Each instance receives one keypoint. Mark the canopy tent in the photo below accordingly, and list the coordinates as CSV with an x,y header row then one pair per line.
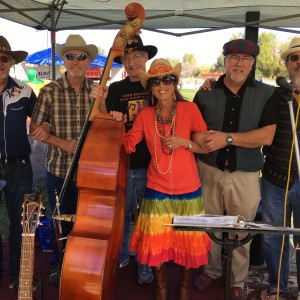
x,y
43,57
161,15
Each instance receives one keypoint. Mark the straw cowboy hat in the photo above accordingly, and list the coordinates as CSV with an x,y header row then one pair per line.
x,y
18,56
159,67
137,44
76,42
293,47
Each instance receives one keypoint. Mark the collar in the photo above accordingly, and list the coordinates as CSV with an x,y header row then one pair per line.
x,y
66,84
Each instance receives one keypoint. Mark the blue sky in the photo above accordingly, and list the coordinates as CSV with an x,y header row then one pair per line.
x,y
205,46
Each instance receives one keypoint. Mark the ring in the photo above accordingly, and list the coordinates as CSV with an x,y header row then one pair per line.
x,y
170,146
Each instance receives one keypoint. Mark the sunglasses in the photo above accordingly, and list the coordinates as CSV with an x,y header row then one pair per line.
x,y
79,57
294,57
4,59
166,80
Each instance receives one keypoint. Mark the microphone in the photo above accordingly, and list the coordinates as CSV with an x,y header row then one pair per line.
x,y
282,82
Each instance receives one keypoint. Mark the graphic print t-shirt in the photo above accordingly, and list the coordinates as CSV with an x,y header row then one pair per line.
x,y
129,98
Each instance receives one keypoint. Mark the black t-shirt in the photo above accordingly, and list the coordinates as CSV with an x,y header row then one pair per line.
x,y
129,98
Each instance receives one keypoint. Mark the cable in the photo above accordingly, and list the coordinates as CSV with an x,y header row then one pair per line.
x,y
285,199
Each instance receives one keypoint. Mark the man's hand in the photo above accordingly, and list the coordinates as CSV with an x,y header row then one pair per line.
x,y
100,94
206,86
41,132
69,145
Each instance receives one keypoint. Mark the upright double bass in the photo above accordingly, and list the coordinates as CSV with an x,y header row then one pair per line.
x,y
91,257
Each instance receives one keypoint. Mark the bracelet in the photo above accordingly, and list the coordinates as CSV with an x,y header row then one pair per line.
x,y
187,145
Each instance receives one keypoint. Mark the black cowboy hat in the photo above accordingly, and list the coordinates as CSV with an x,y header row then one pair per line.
x,y
137,44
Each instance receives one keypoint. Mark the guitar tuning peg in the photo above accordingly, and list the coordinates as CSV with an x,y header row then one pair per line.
x,y
40,223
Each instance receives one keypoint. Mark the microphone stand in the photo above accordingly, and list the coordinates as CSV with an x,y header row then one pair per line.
x,y
290,103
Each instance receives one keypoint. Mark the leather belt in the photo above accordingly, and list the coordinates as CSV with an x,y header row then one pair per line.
x,y
22,159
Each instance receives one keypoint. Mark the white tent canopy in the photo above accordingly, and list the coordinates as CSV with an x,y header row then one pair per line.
x,y
161,15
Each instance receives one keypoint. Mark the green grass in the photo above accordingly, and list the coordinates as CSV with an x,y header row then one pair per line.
x,y
188,93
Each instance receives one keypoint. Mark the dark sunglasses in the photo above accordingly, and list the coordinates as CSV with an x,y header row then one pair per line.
x,y
294,57
166,80
4,59
79,57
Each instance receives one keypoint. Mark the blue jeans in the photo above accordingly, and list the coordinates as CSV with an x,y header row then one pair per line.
x,y
68,205
273,212
136,184
18,177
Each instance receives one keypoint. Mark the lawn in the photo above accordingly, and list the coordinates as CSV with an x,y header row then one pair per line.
x,y
188,93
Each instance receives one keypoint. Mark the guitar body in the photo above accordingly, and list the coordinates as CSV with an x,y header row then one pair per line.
x,y
91,259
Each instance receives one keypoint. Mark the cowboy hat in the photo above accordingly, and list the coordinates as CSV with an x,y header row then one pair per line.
x,y
137,44
76,42
159,67
293,47
18,56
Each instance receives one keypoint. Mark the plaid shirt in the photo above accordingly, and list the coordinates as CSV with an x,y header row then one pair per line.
x,y
66,111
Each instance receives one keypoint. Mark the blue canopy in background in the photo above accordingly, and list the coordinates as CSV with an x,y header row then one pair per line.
x,y
43,57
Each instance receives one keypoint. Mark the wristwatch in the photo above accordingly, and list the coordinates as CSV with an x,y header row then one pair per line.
x,y
229,139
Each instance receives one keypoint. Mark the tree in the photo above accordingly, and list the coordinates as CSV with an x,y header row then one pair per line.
x,y
268,60
101,51
189,65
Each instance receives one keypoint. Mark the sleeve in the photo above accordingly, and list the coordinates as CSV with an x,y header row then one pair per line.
x,y
197,120
269,114
135,134
32,101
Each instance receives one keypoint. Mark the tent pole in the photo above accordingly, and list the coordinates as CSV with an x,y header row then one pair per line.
x,y
251,33
53,39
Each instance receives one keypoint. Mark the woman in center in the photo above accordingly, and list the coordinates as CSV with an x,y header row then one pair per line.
x,y
173,184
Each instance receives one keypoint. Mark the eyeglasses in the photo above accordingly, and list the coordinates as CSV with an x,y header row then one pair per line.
x,y
79,57
166,80
237,59
294,57
4,59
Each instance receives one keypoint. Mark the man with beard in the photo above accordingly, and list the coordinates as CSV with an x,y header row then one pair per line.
x,y
274,183
240,114
64,103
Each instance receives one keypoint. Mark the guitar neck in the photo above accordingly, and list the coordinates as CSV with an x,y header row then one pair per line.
x,y
26,268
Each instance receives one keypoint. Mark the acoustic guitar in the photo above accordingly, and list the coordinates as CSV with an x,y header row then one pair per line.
x,y
30,220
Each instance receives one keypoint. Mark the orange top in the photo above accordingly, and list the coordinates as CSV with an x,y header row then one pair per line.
x,y
182,176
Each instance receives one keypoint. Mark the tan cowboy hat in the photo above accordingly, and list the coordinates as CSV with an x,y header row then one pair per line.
x,y
18,56
293,47
159,67
76,42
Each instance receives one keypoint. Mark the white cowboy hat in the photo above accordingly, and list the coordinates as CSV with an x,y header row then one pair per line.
x,y
76,42
159,67
18,56
293,47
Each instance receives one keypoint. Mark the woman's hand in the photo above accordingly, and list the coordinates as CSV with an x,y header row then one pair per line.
x,y
118,116
174,141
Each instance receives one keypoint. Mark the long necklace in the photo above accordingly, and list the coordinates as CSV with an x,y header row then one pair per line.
x,y
160,132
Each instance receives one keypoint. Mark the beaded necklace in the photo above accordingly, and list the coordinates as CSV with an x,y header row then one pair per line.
x,y
159,130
